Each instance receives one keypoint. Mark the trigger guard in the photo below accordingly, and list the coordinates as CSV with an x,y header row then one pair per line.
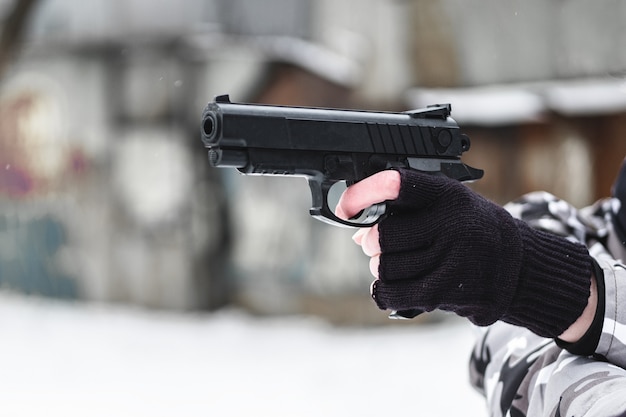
x,y
321,211
367,218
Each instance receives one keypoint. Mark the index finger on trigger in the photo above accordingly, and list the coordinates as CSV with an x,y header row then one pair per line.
x,y
382,186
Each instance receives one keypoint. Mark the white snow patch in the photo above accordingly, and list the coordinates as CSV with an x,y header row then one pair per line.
x,y
59,359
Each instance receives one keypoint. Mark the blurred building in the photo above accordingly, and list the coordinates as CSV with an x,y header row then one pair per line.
x,y
104,186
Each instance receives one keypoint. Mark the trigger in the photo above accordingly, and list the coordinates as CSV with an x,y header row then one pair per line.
x,y
372,214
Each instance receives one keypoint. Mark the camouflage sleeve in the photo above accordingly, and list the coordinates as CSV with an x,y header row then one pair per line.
x,y
522,374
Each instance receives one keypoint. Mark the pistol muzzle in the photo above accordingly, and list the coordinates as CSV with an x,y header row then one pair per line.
x,y
209,130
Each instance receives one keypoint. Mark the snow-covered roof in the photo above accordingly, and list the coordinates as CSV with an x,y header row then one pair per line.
x,y
520,103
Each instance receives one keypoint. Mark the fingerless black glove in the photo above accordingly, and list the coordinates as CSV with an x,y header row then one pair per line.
x,y
445,247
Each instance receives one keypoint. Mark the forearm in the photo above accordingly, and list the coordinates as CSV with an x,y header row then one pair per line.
x,y
578,329
612,327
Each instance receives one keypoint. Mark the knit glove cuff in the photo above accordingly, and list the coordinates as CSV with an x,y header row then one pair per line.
x,y
554,285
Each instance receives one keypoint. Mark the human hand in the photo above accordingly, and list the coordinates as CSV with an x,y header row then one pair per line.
x,y
442,246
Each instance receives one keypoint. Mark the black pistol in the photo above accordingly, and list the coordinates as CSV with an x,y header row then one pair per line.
x,y
328,146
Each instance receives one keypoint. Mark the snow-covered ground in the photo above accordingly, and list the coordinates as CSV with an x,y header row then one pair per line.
x,y
75,359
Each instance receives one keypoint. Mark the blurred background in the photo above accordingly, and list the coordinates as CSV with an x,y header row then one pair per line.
x,y
105,192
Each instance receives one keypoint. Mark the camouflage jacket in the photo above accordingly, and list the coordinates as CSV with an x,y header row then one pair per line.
x,y
522,374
